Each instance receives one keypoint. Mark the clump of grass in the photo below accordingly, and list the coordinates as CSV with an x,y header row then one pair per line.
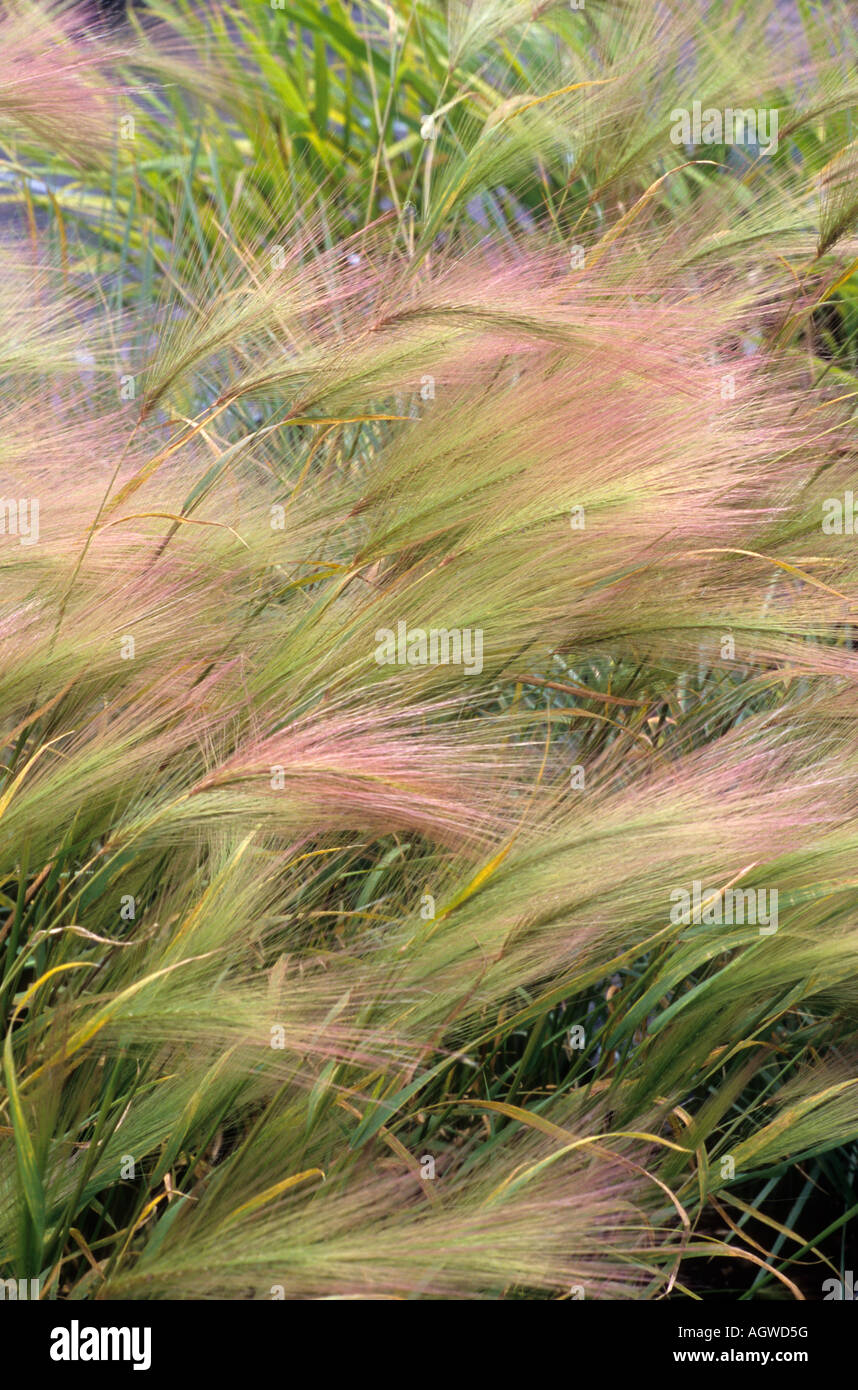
x,y
340,977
